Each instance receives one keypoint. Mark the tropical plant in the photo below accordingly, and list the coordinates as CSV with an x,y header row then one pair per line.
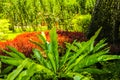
x,y
75,63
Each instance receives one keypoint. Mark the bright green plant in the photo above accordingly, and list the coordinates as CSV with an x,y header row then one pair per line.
x,y
4,25
4,28
75,63
80,22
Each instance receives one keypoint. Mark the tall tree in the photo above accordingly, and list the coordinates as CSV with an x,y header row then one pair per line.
x,y
107,15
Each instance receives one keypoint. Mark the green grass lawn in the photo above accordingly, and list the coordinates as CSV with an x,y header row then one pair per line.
x,y
9,36
12,35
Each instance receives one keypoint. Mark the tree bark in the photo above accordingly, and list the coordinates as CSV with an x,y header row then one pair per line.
x,y
107,15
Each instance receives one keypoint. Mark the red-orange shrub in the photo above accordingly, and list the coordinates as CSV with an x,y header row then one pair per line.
x,y
22,43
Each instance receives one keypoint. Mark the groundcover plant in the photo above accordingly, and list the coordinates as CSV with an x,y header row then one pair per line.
x,y
74,64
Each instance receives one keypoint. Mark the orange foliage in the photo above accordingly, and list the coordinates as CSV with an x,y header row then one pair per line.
x,y
22,43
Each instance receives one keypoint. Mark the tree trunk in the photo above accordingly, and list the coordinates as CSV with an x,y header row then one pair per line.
x,y
107,15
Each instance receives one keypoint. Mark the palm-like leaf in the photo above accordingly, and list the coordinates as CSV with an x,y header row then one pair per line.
x,y
77,59
17,52
15,73
54,47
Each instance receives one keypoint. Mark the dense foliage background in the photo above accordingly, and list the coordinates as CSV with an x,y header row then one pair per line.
x,y
75,21
63,14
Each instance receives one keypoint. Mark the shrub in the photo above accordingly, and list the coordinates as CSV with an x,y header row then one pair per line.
x,y
74,64
22,43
